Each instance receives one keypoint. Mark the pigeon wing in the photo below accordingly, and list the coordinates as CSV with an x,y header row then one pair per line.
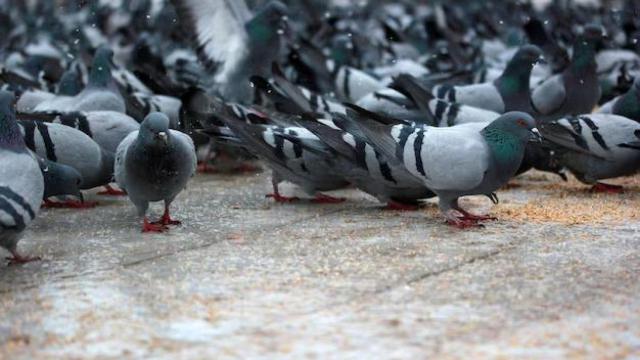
x,y
217,29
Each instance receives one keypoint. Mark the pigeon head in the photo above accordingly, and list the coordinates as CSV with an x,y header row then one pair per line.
x,y
100,75
515,78
60,179
268,21
528,54
584,48
516,125
10,135
593,33
154,130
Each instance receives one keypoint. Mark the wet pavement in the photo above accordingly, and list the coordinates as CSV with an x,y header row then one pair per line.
x,y
244,277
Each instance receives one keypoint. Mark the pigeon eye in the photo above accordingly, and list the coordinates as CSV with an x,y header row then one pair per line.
x,y
521,122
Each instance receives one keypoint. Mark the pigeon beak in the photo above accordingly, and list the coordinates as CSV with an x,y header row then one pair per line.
x,y
163,136
535,135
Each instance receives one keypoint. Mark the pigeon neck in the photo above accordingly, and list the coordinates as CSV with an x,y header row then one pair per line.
x,y
10,135
506,148
515,78
584,57
260,30
69,85
628,105
100,75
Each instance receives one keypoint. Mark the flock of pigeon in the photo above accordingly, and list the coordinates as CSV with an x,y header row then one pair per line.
x,y
403,100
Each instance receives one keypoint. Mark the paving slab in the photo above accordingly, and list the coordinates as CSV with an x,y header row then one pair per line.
x,y
244,277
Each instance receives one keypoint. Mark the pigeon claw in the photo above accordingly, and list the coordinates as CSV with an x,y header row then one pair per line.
x,y
205,168
462,223
398,206
148,227
110,191
166,220
281,199
69,204
607,189
17,259
326,199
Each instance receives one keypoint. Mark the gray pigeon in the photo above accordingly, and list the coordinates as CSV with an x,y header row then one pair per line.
x,y
360,164
71,147
232,41
576,90
469,159
627,105
280,145
59,180
21,182
509,92
596,147
101,92
155,164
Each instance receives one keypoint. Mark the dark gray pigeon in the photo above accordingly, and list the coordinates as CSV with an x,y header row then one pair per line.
x,y
576,90
596,147
59,180
21,182
469,159
509,92
232,41
155,164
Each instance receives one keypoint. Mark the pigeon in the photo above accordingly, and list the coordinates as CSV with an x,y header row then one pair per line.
x,y
468,159
107,128
59,180
280,147
100,93
233,41
627,105
509,92
71,147
360,164
596,147
154,164
576,90
21,182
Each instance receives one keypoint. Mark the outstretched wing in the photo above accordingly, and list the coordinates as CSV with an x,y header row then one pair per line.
x,y
217,29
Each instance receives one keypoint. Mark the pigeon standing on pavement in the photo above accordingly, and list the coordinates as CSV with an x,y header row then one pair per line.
x,y
155,164
21,182
469,159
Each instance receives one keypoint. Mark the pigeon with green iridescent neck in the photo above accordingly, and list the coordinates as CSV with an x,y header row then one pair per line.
x,y
509,92
576,90
469,159
21,182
